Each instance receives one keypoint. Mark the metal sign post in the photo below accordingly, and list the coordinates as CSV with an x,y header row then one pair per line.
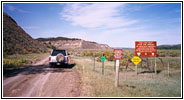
x,y
136,70
117,57
102,67
136,60
103,59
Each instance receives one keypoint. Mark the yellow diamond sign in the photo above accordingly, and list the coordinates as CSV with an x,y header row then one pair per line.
x,y
136,60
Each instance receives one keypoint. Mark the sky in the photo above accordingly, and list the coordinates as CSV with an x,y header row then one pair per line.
x,y
115,24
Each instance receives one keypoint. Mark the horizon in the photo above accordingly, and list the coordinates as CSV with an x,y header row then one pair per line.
x,y
114,24
110,46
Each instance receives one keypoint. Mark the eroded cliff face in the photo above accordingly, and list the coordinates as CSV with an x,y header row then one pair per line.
x,y
75,44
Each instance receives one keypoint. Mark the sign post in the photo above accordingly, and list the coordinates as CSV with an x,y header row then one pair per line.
x,y
103,59
117,57
146,49
117,74
136,60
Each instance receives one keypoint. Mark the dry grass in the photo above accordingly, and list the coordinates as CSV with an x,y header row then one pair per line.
x,y
130,84
14,61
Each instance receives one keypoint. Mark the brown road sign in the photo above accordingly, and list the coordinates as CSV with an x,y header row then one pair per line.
x,y
118,54
146,48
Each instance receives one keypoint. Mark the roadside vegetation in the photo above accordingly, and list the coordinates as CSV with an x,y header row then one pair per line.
x,y
145,84
130,85
163,57
16,60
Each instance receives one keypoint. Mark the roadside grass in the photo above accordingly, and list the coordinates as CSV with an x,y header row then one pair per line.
x,y
14,61
130,84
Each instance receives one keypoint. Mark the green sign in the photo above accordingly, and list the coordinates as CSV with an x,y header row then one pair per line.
x,y
102,58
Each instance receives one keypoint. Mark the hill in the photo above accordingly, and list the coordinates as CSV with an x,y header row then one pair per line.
x,y
56,39
170,47
71,43
16,40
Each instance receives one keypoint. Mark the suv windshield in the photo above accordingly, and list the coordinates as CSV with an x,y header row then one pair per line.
x,y
55,52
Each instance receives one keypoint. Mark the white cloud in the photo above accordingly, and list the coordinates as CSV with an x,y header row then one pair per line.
x,y
107,24
96,15
126,37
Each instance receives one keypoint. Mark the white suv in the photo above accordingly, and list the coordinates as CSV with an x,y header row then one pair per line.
x,y
58,57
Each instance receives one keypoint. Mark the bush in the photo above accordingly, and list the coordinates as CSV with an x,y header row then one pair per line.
x,y
25,52
109,55
88,53
13,63
126,58
53,47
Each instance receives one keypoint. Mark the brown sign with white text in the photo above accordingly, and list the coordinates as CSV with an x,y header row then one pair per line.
x,y
118,54
146,48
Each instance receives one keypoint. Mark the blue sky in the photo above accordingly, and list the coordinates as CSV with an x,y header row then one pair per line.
x,y
115,24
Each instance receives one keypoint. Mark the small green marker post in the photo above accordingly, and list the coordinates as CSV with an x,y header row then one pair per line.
x,y
103,68
103,59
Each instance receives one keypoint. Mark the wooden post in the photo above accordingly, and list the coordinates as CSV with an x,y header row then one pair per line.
x,y
114,65
147,63
151,62
168,69
141,62
136,69
117,74
102,67
94,64
155,66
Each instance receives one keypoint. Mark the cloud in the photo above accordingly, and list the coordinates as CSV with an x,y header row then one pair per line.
x,y
126,37
96,15
13,8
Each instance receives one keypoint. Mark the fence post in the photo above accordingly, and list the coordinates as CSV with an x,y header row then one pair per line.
x,y
155,66
102,67
94,64
114,65
168,69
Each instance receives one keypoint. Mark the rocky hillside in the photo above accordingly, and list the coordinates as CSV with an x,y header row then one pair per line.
x,y
16,40
71,43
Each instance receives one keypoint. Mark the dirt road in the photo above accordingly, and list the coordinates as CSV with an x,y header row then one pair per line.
x,y
39,80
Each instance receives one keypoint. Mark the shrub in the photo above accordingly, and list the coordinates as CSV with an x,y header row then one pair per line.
x,y
109,55
25,52
13,63
88,53
53,47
